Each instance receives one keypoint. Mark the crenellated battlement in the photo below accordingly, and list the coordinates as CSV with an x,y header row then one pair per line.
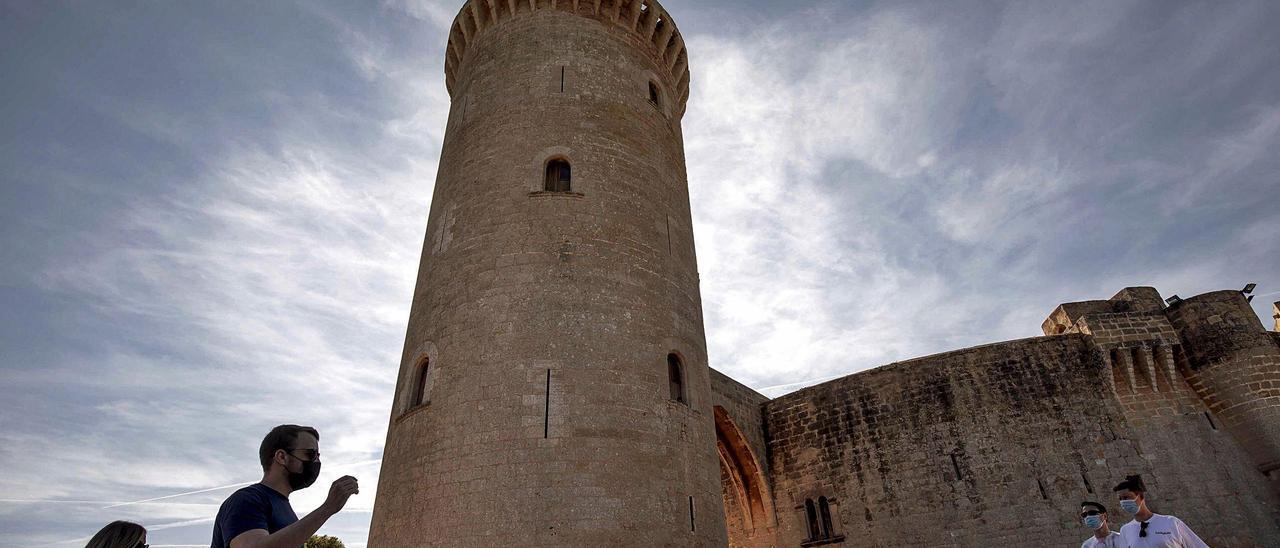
x,y
645,19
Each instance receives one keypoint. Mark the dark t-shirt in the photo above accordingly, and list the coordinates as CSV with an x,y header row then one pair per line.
x,y
254,507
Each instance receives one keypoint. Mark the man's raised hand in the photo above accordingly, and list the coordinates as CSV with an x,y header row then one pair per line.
x,y
339,492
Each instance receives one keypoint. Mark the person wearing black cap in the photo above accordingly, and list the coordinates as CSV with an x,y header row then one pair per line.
x,y
1149,529
1094,516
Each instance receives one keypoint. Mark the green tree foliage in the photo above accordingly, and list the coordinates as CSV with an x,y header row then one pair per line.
x,y
323,541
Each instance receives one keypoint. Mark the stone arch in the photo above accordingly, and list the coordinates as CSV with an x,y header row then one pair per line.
x,y
677,378
537,168
418,375
748,502
421,386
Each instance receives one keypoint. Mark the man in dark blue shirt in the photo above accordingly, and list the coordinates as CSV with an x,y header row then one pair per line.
x,y
259,516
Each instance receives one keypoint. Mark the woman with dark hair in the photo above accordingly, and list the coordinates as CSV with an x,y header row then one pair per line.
x,y
119,534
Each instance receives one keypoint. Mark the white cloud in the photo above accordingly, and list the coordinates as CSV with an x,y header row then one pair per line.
x,y
797,282
271,287
868,186
439,13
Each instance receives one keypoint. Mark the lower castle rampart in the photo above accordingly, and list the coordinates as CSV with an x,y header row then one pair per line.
x,y
997,445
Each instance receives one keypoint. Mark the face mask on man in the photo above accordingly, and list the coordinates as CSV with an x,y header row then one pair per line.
x,y
1130,506
1093,522
306,477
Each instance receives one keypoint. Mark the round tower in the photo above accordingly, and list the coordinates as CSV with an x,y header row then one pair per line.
x,y
1234,365
553,388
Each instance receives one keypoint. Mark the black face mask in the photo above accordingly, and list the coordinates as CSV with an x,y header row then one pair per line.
x,y
304,479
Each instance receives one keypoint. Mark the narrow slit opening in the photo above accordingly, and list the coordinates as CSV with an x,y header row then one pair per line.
x,y
668,235
546,409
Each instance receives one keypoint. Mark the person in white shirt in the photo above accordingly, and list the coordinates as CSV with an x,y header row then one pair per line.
x,y
1149,529
1094,516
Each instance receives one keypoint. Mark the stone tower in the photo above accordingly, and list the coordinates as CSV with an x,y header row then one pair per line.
x,y
553,388
1234,365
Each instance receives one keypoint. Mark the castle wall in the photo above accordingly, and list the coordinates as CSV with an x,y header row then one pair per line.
x,y
1140,345
1197,470
1135,302
997,445
750,517
1212,343
1063,318
1115,329
745,406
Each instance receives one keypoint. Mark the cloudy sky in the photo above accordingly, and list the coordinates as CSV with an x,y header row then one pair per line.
x,y
211,213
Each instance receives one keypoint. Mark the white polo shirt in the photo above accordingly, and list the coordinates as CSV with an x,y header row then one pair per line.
x,y
1113,540
1162,532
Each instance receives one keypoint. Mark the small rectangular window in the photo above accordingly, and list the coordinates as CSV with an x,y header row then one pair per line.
x,y
420,385
675,377
558,176
811,520
824,512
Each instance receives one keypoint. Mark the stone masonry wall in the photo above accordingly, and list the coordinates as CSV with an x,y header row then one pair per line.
x,y
748,501
1110,330
1198,471
745,406
1141,345
1233,364
1063,319
997,445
